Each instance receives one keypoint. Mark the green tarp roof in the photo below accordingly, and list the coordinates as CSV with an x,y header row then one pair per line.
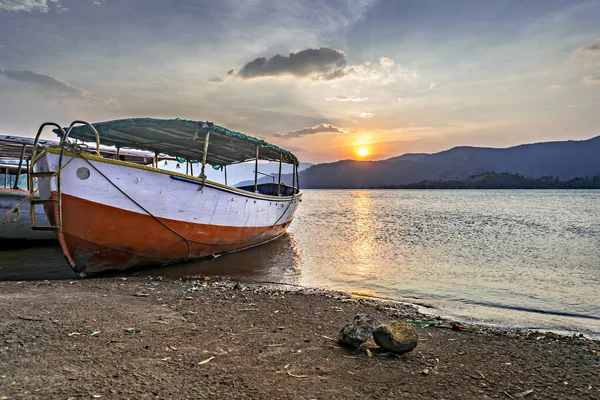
x,y
182,138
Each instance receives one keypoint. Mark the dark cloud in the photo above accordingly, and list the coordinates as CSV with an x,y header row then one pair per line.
x,y
323,63
338,73
231,71
45,82
593,49
592,80
216,79
321,128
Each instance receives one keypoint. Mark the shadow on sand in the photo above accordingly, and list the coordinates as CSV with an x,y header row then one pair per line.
x,y
275,261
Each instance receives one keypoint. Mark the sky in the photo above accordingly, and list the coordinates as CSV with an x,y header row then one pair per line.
x,y
326,79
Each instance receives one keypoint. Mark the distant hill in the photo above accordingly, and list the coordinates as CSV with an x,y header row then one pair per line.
x,y
563,160
504,180
410,157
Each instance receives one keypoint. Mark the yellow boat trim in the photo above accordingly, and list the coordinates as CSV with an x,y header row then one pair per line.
x,y
93,157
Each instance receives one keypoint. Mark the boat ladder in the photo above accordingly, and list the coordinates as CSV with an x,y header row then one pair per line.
x,y
33,175
35,157
33,201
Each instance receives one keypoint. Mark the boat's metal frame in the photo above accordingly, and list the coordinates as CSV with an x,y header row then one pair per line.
x,y
17,202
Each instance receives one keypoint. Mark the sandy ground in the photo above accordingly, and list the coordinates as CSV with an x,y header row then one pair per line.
x,y
218,340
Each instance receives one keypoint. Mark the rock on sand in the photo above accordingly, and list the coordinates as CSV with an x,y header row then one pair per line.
x,y
358,331
397,337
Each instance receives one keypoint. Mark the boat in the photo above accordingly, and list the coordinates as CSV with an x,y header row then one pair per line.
x,y
15,215
15,207
111,214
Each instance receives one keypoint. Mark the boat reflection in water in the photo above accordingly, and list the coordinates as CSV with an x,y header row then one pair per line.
x,y
276,261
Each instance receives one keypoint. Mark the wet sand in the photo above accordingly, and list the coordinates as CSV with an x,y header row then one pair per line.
x,y
215,339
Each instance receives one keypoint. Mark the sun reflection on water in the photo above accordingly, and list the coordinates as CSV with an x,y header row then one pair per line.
x,y
363,226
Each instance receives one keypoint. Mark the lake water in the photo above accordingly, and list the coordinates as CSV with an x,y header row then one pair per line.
x,y
518,258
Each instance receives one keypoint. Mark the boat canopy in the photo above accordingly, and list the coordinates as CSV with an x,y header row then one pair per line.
x,y
12,146
184,139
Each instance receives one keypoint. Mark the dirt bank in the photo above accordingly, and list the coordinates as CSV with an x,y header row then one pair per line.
x,y
218,340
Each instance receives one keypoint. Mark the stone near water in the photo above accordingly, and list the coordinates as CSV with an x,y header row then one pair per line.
x,y
358,331
397,337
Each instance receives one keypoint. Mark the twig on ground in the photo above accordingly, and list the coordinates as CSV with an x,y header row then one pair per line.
x,y
297,376
326,337
29,318
209,359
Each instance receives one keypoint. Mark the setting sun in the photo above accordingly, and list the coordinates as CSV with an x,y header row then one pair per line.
x,y
362,152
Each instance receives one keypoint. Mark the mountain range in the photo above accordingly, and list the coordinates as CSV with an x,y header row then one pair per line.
x,y
564,160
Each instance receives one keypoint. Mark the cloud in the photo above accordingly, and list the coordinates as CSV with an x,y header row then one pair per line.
x,y
593,49
321,128
592,80
383,72
24,5
44,82
323,62
432,85
366,115
216,79
29,5
338,97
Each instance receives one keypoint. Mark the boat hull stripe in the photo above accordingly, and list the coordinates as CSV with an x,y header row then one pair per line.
x,y
117,239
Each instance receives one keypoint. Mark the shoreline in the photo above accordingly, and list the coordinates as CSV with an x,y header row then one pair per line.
x,y
63,339
429,307
425,308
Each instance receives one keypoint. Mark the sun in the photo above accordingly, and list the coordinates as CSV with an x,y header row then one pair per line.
x,y
362,152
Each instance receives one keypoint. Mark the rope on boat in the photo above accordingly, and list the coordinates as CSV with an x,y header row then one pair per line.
x,y
284,211
16,210
186,240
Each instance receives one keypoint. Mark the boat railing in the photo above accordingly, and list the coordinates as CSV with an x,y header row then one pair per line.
x,y
65,136
32,175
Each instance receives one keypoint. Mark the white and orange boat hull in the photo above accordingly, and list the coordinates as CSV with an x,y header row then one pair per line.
x,y
114,215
